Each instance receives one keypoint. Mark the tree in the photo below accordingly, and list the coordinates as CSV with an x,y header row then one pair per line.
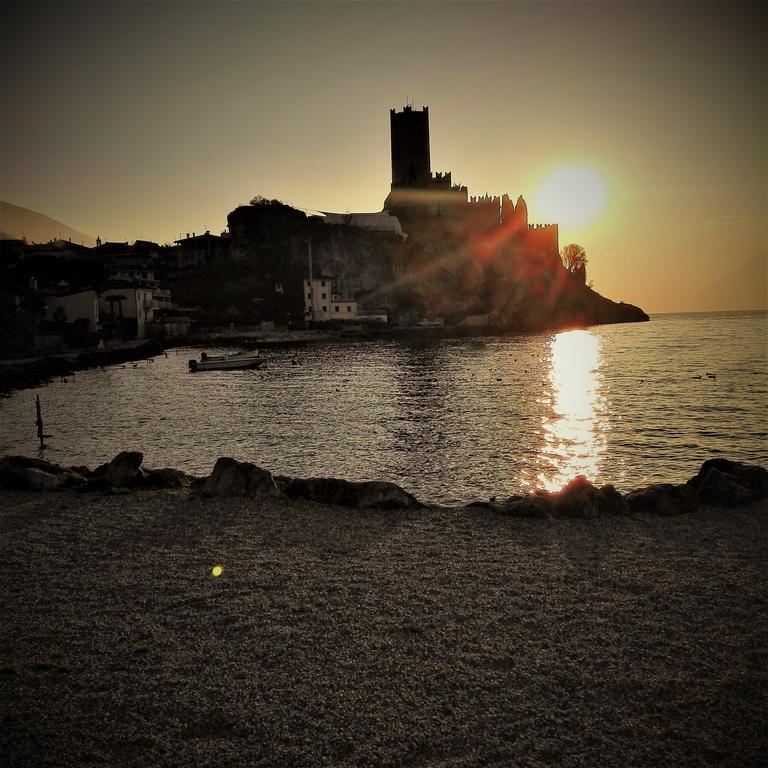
x,y
261,200
575,260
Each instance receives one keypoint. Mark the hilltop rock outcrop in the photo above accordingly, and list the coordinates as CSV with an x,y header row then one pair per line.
x,y
450,265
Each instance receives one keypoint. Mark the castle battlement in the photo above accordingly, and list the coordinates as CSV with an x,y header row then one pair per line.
x,y
413,183
409,108
485,199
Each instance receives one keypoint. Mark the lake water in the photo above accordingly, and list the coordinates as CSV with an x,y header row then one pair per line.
x,y
451,421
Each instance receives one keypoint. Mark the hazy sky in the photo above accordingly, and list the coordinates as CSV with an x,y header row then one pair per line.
x,y
146,120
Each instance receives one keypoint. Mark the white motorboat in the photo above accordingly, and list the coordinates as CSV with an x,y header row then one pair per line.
x,y
234,361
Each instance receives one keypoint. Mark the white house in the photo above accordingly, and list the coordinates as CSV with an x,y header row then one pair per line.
x,y
128,301
80,305
322,305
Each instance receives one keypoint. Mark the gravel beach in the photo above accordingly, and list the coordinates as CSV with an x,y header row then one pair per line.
x,y
340,637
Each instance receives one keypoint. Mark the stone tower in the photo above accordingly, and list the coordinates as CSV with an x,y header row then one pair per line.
x,y
409,131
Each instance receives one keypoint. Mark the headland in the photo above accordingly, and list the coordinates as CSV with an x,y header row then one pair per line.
x,y
435,257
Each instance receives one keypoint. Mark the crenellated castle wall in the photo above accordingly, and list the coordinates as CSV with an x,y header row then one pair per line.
x,y
544,237
483,211
440,179
495,221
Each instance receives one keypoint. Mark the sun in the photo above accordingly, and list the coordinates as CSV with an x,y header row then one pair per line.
x,y
571,195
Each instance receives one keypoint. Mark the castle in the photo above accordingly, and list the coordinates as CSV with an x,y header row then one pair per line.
x,y
416,189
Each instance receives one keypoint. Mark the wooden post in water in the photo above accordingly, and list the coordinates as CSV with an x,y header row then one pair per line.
x,y
40,434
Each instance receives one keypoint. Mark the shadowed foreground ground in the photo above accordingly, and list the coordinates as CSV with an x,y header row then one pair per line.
x,y
339,637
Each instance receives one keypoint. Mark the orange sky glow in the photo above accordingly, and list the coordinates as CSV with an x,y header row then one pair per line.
x,y
135,120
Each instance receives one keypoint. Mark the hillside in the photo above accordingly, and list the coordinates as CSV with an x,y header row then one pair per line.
x,y
17,223
449,267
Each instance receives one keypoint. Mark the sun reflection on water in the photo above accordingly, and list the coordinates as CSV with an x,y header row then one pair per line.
x,y
573,427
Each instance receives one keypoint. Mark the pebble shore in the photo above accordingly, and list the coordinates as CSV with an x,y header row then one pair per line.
x,y
348,637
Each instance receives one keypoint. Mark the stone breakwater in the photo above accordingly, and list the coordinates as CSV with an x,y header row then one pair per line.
x,y
719,483
22,374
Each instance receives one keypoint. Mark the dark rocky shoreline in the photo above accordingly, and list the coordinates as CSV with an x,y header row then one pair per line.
x,y
719,483
23,374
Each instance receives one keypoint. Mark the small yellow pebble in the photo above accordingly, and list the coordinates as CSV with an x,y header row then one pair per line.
x,y
217,570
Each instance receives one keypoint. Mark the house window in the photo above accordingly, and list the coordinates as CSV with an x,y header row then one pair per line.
x,y
322,285
323,296
309,295
349,309
336,309
325,309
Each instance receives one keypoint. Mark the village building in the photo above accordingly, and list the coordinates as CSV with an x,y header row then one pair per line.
x,y
169,324
60,249
75,307
373,316
381,221
135,271
125,310
323,304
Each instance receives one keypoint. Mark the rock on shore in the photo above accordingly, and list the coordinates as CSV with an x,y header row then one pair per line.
x,y
239,478
719,483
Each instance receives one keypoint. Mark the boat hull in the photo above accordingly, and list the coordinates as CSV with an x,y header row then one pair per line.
x,y
231,364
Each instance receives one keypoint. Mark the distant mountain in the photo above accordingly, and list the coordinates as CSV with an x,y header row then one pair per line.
x,y
17,222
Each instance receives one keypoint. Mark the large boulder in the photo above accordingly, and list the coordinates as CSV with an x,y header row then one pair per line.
x,y
724,483
239,478
28,474
28,462
366,495
167,477
122,471
663,499
579,498
517,506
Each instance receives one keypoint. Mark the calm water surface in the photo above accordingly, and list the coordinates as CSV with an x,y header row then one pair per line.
x,y
450,421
